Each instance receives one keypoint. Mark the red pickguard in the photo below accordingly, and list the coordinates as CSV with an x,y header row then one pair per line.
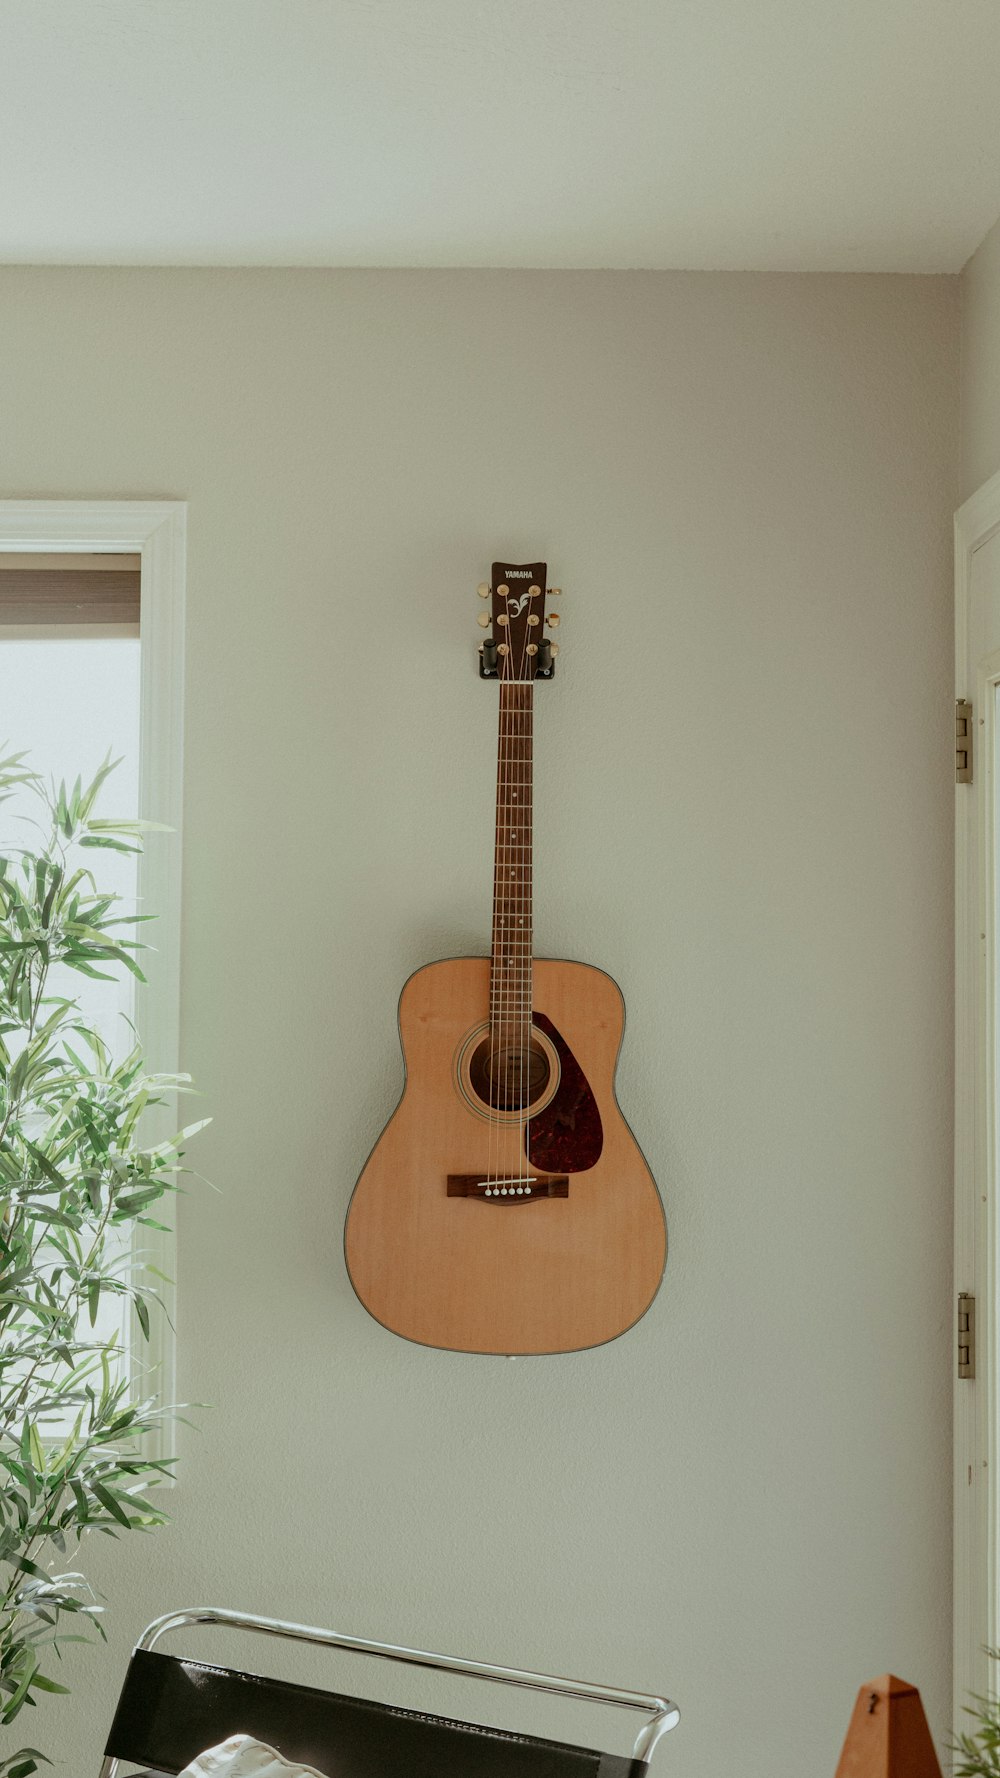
x,y
567,1137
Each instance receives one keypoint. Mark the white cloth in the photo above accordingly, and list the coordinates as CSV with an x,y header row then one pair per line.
x,y
240,1757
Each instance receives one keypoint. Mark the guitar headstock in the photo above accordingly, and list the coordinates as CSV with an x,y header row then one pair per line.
x,y
518,650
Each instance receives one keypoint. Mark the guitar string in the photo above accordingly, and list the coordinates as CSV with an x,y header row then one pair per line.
x,y
524,866
508,907
503,856
509,1030
521,1013
492,1053
504,910
527,965
511,997
508,985
500,904
514,902
513,899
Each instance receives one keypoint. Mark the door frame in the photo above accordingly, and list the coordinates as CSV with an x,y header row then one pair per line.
x,y
976,1057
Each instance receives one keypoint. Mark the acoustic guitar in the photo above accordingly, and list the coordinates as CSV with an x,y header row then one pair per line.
x,y
506,1207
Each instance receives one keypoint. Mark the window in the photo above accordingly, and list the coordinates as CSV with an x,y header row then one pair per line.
x,y
69,697
91,630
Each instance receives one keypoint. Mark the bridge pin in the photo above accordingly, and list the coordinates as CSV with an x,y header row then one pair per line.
x,y
527,1190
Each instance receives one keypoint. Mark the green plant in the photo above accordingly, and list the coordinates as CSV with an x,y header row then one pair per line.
x,y
979,1753
75,1175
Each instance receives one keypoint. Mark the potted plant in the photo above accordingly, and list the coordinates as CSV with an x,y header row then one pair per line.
x,y
977,1755
78,1175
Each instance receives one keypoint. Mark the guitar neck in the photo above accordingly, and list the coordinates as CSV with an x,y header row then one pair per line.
x,y
510,962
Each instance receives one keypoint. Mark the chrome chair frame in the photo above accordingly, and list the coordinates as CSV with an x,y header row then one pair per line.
x,y
662,1714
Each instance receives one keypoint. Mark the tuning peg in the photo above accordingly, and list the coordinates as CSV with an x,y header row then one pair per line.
x,y
555,592
553,620
484,620
483,590
553,649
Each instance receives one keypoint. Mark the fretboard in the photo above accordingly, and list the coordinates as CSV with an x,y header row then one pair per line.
x,y
510,972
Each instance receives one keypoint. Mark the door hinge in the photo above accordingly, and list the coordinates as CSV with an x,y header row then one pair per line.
x,y
966,1334
963,741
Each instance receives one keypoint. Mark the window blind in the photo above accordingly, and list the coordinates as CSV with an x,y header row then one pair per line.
x,y
77,590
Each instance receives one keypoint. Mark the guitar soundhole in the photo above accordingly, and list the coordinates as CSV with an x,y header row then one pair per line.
x,y
507,1076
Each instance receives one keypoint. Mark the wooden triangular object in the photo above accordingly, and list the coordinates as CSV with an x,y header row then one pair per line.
x,y
888,1736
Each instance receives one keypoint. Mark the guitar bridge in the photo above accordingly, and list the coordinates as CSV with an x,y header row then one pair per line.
x,y
516,1189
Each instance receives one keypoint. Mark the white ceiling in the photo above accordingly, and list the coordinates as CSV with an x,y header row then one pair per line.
x,y
851,135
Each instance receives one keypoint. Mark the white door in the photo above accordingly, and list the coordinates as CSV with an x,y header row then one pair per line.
x,y
977,826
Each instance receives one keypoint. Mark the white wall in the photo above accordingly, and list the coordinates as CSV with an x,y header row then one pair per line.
x,y
981,364
745,485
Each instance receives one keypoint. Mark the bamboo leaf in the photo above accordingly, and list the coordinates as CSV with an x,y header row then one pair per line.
x,y
43,1161
72,1177
37,1453
14,1703
110,1504
41,1683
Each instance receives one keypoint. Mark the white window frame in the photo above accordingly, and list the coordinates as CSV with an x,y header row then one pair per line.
x,y
977,1056
156,531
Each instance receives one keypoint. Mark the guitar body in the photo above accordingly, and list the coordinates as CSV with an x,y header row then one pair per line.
x,y
569,1253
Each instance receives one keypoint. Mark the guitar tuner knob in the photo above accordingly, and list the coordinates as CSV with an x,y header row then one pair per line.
x,y
555,592
483,590
553,620
553,649
483,620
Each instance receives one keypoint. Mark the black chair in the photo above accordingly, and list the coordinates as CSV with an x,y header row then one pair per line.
x,y
172,1709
